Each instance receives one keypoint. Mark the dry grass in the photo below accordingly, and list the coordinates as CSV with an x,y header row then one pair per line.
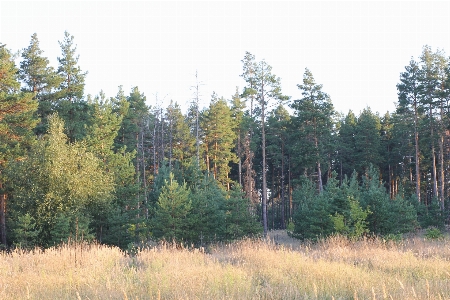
x,y
280,269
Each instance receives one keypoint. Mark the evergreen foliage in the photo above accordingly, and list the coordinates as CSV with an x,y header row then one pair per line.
x,y
114,169
58,179
70,92
171,221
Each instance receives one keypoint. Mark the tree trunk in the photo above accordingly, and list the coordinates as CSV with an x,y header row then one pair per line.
x,y
283,200
290,188
319,171
138,180
273,198
416,142
144,179
441,160
3,217
433,159
264,179
441,173
239,157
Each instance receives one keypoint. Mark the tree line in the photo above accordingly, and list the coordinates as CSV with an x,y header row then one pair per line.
x,y
114,169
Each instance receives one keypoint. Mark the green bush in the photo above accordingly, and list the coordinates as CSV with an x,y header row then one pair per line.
x,y
433,233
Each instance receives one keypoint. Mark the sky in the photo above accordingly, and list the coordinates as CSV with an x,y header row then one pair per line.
x,y
355,49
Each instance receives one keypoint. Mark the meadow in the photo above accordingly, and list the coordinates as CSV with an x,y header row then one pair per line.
x,y
280,268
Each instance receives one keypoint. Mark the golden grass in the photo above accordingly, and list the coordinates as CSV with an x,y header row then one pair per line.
x,y
282,268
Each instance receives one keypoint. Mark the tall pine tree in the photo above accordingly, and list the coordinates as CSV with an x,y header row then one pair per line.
x,y
17,110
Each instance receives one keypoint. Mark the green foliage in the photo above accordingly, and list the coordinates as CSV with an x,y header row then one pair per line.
x,y
402,216
181,141
366,209
218,140
433,233
58,178
133,119
207,216
25,232
347,144
171,221
239,222
72,78
40,79
312,125
358,219
339,224
355,226
69,95
312,218
367,141
114,170
17,110
430,215
70,227
388,216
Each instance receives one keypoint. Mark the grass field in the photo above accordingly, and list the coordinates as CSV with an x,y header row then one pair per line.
x,y
283,268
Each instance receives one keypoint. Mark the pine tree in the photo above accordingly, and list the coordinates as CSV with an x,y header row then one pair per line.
x,y
312,218
313,117
171,221
237,109
207,215
17,110
408,95
265,86
40,79
112,222
428,81
249,123
70,105
182,144
347,145
277,153
387,165
218,127
367,141
239,222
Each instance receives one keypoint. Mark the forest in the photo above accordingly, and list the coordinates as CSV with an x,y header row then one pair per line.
x,y
121,172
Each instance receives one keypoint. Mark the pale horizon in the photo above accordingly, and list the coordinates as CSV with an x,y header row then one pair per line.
x,y
355,49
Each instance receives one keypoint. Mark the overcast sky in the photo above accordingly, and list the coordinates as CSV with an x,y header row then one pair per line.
x,y
355,49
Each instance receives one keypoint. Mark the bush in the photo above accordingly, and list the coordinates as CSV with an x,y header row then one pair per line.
x,y
433,233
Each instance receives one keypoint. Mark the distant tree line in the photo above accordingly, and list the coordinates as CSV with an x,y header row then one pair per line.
x,y
120,171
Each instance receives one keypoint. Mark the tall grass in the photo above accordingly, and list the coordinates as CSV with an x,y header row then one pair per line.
x,y
282,268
